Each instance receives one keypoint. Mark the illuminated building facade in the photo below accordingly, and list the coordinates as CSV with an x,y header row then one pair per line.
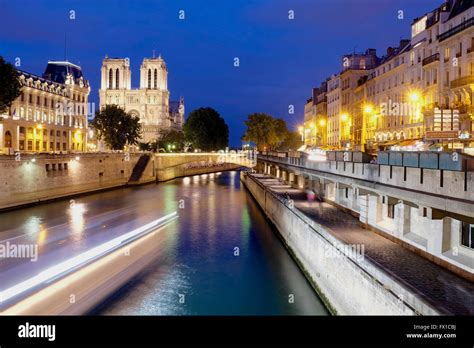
x,y
419,91
150,102
50,115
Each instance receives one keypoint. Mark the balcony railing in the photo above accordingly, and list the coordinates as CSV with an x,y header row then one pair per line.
x,y
431,59
462,81
457,29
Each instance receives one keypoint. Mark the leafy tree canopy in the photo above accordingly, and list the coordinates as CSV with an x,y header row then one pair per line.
x,y
10,87
116,127
205,129
292,142
265,131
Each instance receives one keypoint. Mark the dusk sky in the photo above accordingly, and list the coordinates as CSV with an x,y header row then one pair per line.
x,y
280,59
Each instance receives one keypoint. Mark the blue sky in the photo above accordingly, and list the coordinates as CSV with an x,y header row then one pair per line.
x,y
280,59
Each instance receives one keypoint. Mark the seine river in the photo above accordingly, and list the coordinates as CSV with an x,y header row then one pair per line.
x,y
220,257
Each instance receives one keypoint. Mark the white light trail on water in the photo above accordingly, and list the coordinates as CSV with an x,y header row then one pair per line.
x,y
69,265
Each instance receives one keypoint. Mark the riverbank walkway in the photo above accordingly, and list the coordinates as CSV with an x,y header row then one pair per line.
x,y
444,290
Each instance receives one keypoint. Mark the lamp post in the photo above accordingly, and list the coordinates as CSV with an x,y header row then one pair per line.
x,y
345,121
301,130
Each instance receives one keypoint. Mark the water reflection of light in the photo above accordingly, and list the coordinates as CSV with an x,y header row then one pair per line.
x,y
195,179
76,215
33,225
211,176
187,180
42,236
218,173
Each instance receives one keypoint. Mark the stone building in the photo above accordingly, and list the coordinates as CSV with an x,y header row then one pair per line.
x,y
50,115
315,117
355,67
334,110
419,92
151,102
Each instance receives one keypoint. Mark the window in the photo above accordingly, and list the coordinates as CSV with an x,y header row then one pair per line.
x,y
117,78
38,101
447,53
156,79
149,78
467,235
111,77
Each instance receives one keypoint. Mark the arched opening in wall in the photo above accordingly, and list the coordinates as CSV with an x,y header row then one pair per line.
x,y
149,78
8,139
111,77
155,77
117,79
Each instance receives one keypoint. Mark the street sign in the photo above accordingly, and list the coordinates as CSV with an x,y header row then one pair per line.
x,y
432,135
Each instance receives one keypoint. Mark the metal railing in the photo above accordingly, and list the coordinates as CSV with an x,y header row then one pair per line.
x,y
431,59
462,81
457,29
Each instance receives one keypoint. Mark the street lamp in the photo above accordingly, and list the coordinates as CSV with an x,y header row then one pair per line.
x,y
301,130
368,109
415,96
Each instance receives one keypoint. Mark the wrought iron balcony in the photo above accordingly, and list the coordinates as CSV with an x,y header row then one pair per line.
x,y
455,30
431,59
462,81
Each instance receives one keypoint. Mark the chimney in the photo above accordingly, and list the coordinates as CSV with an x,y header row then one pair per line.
x,y
389,51
371,52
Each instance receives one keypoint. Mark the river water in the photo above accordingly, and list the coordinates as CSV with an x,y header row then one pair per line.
x,y
220,257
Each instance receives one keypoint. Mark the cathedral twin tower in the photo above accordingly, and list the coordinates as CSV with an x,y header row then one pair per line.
x,y
150,102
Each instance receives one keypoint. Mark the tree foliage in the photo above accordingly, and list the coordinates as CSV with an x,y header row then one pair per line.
x,y
116,127
292,142
205,129
10,87
171,139
265,131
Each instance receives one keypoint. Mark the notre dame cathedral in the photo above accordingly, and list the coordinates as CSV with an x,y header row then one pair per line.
x,y
151,102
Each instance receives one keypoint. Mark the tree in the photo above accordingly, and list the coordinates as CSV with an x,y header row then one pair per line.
x,y
10,87
116,127
265,131
292,142
171,140
206,130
